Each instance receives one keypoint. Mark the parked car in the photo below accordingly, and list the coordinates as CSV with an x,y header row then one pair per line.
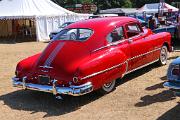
x,y
173,76
90,55
53,33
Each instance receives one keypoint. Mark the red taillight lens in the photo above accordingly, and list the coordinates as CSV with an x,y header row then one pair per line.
x,y
176,71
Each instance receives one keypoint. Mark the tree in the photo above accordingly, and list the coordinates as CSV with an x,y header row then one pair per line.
x,y
106,4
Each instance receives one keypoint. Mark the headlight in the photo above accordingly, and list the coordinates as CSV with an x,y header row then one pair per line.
x,y
173,72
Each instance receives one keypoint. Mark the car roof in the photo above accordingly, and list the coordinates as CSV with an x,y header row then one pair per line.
x,y
101,23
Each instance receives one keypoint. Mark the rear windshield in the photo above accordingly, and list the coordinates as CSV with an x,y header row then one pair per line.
x,y
76,34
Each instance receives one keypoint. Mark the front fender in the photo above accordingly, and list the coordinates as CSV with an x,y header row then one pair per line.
x,y
103,66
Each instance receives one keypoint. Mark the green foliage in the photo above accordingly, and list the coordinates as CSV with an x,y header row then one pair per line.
x,y
106,4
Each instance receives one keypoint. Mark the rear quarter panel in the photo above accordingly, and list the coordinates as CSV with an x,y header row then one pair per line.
x,y
104,66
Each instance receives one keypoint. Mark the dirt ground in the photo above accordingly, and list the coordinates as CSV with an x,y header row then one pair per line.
x,y
138,96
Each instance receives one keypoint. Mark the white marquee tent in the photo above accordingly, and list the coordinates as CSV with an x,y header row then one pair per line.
x,y
154,7
46,14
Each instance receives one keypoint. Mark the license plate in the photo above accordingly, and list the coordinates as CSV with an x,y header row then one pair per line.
x,y
44,79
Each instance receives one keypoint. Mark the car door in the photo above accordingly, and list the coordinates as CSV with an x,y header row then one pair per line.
x,y
140,47
117,40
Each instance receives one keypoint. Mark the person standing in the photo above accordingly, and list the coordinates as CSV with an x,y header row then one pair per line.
x,y
151,23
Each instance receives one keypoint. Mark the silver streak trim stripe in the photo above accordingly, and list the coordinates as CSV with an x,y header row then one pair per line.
x,y
126,62
53,54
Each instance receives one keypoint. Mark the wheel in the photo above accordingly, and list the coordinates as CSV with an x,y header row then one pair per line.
x,y
108,87
163,56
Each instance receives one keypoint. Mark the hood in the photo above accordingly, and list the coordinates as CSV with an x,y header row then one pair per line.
x,y
61,59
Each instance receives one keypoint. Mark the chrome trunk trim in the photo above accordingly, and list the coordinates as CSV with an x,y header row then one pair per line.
x,y
45,66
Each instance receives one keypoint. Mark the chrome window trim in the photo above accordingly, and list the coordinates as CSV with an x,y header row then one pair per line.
x,y
92,31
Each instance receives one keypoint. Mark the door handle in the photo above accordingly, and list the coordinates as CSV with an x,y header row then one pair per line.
x,y
130,40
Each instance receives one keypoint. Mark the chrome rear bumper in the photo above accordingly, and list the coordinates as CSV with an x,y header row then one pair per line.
x,y
71,90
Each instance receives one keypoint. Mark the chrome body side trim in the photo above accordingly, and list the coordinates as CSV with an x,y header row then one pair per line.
x,y
144,54
45,66
71,90
141,66
100,72
126,62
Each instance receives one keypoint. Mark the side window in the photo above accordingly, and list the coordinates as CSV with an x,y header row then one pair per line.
x,y
132,30
116,35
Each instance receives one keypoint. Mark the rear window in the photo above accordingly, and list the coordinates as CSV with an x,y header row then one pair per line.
x,y
76,34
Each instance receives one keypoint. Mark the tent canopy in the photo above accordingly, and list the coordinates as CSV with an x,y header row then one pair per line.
x,y
154,7
30,8
47,15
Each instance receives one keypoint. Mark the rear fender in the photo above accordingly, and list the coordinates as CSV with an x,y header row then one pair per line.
x,y
103,66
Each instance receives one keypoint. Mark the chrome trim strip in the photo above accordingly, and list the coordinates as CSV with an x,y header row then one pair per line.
x,y
45,66
71,90
141,66
45,71
54,90
24,82
108,69
144,54
100,72
53,54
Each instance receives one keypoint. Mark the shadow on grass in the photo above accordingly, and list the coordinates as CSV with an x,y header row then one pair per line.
x,y
44,102
155,87
164,96
172,114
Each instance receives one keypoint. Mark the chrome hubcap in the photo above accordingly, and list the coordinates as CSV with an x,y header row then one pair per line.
x,y
163,55
108,85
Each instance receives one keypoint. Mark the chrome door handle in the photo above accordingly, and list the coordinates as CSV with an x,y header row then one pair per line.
x,y
130,40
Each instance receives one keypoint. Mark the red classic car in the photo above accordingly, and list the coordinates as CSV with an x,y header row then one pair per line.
x,y
90,55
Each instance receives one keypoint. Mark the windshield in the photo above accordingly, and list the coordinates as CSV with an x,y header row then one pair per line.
x,y
77,34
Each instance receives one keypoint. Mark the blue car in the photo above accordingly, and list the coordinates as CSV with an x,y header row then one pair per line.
x,y
173,76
